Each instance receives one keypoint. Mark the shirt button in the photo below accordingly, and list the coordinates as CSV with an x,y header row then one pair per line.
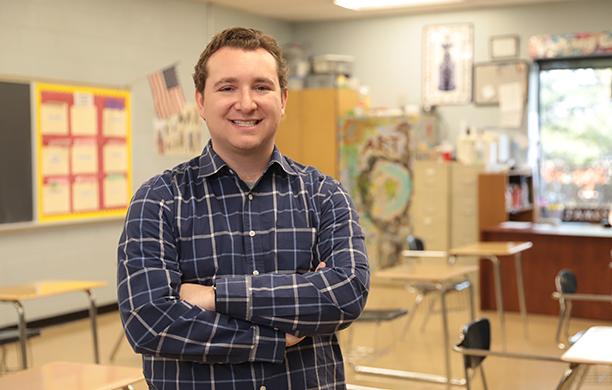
x,y
250,196
231,171
262,388
255,273
252,233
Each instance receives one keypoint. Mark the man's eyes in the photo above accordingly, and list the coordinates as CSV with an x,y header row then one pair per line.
x,y
263,87
258,88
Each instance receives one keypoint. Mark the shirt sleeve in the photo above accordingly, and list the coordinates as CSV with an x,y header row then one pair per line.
x,y
157,322
311,303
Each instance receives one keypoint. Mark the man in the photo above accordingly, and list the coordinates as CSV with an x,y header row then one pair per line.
x,y
237,268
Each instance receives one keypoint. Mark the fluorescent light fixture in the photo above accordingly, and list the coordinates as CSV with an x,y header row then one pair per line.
x,y
359,5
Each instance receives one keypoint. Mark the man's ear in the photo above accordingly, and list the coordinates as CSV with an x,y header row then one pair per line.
x,y
199,98
284,98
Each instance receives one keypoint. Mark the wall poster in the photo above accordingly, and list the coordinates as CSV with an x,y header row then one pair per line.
x,y
83,152
375,169
447,64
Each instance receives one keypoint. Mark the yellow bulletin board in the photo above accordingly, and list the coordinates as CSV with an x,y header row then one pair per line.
x,y
83,152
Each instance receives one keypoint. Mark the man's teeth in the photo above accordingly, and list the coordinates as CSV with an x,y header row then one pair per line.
x,y
245,123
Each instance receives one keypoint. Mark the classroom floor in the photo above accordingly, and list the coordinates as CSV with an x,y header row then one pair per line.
x,y
418,349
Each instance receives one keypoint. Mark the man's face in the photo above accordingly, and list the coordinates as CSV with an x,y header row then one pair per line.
x,y
242,102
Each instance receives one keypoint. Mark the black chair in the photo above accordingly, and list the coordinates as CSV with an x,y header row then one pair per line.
x,y
476,335
475,346
566,285
376,316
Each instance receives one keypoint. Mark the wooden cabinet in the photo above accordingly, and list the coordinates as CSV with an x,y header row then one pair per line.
x,y
444,209
309,131
583,249
503,197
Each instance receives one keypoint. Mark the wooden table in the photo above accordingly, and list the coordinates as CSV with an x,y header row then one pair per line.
x,y
73,376
593,347
444,278
16,294
491,251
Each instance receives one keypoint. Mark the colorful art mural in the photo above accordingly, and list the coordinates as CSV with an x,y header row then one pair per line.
x,y
375,167
570,45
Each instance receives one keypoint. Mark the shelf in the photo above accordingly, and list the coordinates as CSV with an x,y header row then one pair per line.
x,y
520,210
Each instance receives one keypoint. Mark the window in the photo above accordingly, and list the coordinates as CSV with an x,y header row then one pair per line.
x,y
575,114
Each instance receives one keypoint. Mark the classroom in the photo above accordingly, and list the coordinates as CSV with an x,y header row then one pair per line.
x,y
473,136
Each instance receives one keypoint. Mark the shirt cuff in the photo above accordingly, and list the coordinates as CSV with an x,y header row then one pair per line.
x,y
233,297
268,345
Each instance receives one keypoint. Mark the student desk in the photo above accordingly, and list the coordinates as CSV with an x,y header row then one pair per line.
x,y
17,293
594,347
444,278
74,376
491,251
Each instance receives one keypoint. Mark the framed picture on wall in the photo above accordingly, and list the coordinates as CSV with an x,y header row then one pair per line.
x,y
448,52
504,46
489,76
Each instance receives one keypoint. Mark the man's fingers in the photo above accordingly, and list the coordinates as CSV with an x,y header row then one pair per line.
x,y
292,340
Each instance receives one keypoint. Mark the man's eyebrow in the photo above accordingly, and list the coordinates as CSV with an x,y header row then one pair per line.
x,y
226,80
264,80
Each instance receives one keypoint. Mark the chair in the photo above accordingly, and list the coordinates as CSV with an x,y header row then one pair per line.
x,y
416,249
475,346
476,335
377,316
566,285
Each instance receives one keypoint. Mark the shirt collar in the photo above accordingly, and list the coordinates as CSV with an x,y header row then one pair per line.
x,y
211,162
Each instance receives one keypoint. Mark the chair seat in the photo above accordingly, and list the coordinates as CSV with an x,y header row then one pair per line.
x,y
12,335
375,315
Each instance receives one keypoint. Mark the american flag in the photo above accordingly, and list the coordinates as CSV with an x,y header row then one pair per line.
x,y
167,92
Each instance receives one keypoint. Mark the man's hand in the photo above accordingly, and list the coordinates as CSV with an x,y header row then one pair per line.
x,y
291,340
199,295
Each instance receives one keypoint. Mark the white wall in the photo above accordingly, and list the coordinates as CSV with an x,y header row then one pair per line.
x,y
387,50
114,43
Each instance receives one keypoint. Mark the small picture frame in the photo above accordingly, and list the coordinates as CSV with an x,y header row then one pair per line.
x,y
504,46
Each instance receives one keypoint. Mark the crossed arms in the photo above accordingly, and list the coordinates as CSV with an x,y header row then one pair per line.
x,y
255,317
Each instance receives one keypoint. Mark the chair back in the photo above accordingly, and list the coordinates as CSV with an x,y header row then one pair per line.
x,y
476,335
566,282
415,243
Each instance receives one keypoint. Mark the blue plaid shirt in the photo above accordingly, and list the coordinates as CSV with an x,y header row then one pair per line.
x,y
199,223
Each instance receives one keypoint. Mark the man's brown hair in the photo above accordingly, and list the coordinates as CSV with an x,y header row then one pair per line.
x,y
240,38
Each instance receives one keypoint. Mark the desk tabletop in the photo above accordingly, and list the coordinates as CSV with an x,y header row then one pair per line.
x,y
45,288
491,248
74,376
594,347
423,272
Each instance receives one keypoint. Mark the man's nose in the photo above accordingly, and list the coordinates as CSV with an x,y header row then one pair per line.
x,y
246,101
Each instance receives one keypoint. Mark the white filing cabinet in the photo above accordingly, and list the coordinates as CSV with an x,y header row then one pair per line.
x,y
444,210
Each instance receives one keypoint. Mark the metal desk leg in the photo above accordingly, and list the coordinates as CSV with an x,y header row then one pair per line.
x,y
446,338
122,335
471,301
518,268
572,377
421,376
93,311
499,298
22,334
